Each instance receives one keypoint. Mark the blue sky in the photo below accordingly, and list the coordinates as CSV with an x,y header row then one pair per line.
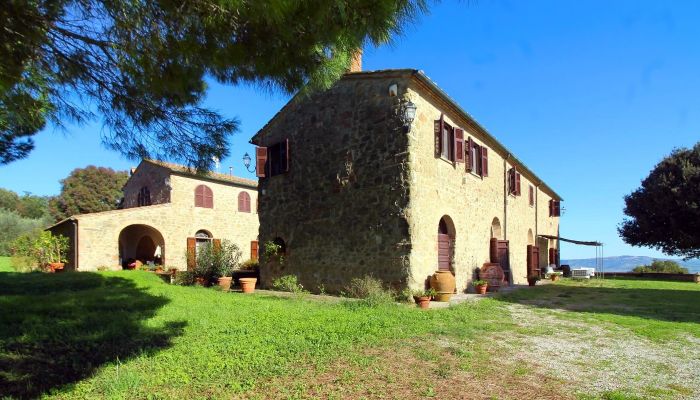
x,y
590,95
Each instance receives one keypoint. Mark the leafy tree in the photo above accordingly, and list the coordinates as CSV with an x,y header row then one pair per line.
x,y
13,225
665,212
27,205
86,190
666,266
8,200
142,64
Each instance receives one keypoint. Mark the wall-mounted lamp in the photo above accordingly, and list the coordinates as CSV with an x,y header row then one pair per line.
x,y
409,114
246,162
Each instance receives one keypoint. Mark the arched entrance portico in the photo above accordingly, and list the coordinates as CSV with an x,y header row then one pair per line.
x,y
143,243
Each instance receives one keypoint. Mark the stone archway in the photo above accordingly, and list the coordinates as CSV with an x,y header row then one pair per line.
x,y
496,231
143,243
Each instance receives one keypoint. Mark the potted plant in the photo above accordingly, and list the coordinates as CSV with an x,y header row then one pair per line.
x,y
532,280
480,286
51,250
554,276
422,297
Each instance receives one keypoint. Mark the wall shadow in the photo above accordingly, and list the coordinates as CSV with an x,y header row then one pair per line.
x,y
659,304
56,329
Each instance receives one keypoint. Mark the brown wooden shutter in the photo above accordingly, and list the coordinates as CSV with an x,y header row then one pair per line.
x,y
493,250
260,161
557,208
459,145
191,253
199,196
254,250
484,161
531,195
533,260
469,150
517,184
551,208
552,256
217,244
208,197
286,152
439,124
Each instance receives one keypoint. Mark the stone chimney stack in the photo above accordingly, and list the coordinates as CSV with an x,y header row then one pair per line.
x,y
356,63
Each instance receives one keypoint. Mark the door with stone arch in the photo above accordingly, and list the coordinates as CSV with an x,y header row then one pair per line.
x,y
445,243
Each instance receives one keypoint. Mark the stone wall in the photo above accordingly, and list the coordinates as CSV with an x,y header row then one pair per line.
x,y
98,233
154,177
339,209
441,188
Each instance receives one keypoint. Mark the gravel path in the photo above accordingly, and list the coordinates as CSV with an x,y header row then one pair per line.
x,y
595,358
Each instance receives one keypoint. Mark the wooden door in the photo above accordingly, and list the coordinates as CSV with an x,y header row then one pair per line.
x,y
444,252
503,257
533,261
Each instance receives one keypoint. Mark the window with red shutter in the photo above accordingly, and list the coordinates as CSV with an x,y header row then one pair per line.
x,y
517,183
437,127
531,195
484,161
448,143
554,208
243,202
203,197
459,145
260,161
278,158
470,156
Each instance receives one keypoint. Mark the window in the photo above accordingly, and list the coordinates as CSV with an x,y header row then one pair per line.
x,y
243,202
531,195
447,142
144,197
513,182
554,208
203,197
477,158
272,160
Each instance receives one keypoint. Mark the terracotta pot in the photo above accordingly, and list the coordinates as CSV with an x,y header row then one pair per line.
x,y
531,281
481,289
248,284
56,266
225,283
554,277
443,282
422,301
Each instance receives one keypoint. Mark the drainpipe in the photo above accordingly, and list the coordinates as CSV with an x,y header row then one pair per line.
x,y
75,244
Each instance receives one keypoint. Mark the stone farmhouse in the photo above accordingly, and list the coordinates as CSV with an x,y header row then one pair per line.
x,y
167,209
384,174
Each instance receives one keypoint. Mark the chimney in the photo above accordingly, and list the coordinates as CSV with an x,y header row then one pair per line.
x,y
356,62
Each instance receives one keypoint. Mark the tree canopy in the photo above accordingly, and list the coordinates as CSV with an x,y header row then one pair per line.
x,y
142,65
86,190
26,206
664,213
662,266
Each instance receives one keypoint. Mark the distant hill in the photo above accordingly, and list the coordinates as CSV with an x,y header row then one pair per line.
x,y
627,263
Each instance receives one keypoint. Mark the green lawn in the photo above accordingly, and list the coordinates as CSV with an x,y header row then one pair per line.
x,y
129,335
5,265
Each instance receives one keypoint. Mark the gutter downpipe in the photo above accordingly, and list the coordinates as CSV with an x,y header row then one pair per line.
x,y
75,244
505,196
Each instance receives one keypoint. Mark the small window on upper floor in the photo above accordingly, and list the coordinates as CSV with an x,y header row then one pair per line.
x,y
514,182
243,202
477,158
531,195
203,197
144,197
272,160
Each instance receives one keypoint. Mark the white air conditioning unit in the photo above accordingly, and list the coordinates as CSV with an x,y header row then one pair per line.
x,y
582,273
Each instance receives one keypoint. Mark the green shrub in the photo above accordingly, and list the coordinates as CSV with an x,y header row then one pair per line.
x,y
184,278
658,266
250,265
24,264
214,261
370,290
13,225
288,283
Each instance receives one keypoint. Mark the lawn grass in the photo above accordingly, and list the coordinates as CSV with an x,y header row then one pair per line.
x,y
129,335
656,310
5,264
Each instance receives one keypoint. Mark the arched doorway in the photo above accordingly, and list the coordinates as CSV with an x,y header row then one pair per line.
x,y
498,249
530,237
496,229
143,243
445,242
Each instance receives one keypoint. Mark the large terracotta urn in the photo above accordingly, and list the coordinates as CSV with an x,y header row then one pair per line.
x,y
443,282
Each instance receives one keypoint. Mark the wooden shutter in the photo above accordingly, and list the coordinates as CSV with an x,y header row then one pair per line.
x,y
199,196
439,124
517,183
493,250
469,149
533,260
260,161
191,253
552,256
208,197
557,208
484,161
254,250
217,244
286,156
444,252
531,195
243,202
459,145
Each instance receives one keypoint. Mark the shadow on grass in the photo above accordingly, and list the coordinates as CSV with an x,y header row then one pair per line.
x,y
660,304
56,329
